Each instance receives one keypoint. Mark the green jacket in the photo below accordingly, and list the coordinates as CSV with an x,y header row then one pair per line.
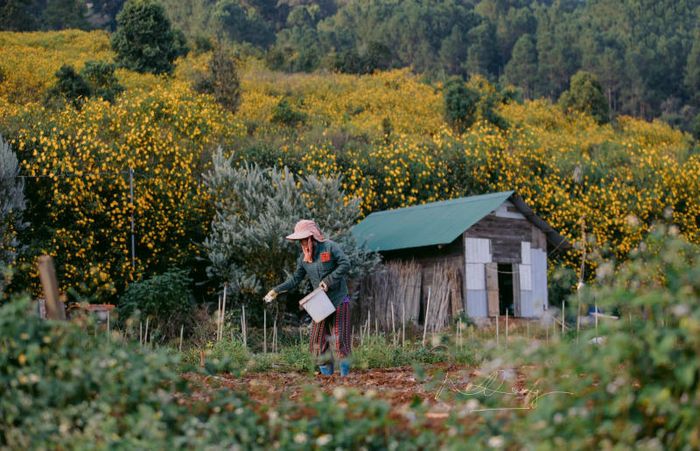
x,y
330,265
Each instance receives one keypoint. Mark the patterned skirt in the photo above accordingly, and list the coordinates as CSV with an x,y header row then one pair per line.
x,y
337,325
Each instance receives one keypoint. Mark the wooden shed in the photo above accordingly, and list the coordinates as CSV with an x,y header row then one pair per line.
x,y
482,254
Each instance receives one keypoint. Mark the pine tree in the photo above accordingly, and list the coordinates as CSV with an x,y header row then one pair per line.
x,y
521,70
692,71
144,40
586,95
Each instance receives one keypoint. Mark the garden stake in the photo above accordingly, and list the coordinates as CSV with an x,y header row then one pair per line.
x,y
140,333
223,312
393,326
425,324
498,332
563,306
145,335
506,328
218,319
265,331
243,327
182,330
403,323
274,336
595,306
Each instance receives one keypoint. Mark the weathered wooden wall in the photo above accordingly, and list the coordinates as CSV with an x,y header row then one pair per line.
x,y
505,236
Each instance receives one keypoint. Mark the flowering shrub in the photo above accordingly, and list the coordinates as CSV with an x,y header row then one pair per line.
x,y
80,162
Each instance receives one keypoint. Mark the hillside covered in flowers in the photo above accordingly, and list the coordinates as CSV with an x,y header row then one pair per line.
x,y
385,132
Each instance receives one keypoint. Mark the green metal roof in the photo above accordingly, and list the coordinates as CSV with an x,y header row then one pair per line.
x,y
425,225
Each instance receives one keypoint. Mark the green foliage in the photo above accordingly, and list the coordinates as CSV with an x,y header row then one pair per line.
x,y
298,358
467,103
460,105
586,96
254,209
62,14
62,389
100,78
165,299
285,114
242,24
640,387
11,207
221,80
521,70
69,87
379,352
144,40
97,79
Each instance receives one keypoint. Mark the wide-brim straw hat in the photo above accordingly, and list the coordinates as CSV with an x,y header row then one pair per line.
x,y
304,229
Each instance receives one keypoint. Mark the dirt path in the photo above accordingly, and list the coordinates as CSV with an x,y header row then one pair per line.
x,y
401,387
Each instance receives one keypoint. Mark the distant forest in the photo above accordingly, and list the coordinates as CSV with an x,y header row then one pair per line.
x,y
645,53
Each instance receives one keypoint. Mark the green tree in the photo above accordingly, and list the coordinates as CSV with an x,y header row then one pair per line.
x,y
586,95
11,207
453,51
100,78
460,104
243,24
69,87
61,14
97,79
144,40
482,55
221,80
692,70
521,70
19,15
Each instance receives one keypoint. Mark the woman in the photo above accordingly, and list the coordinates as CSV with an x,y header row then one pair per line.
x,y
326,265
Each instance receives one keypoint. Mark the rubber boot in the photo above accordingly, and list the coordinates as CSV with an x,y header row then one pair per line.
x,y
327,369
344,368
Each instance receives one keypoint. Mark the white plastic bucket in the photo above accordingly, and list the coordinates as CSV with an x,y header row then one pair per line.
x,y
317,305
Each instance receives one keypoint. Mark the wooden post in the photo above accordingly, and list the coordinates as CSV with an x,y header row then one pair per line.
x,y
403,323
218,319
563,318
145,335
274,336
47,274
507,329
264,331
393,325
140,333
201,358
595,306
223,313
182,331
498,335
425,321
244,328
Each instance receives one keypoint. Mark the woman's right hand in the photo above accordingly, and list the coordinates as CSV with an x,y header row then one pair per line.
x,y
270,296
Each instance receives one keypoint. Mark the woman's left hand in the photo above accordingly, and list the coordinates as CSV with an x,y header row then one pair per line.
x,y
323,286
